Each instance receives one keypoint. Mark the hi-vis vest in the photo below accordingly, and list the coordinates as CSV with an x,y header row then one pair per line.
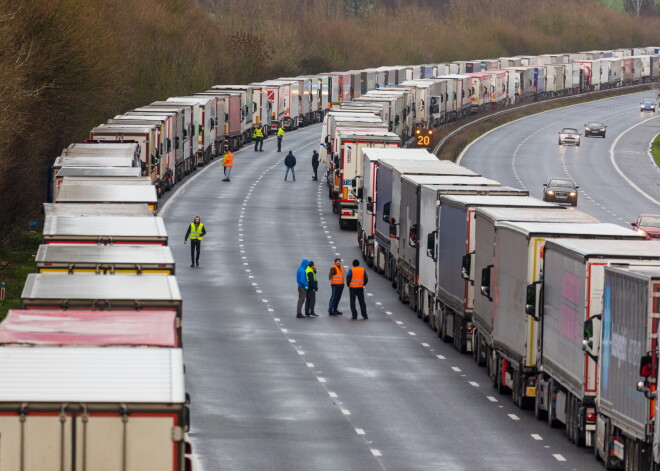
x,y
280,132
338,277
310,269
357,278
228,161
195,234
258,133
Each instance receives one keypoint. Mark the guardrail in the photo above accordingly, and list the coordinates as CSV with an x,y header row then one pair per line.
x,y
457,131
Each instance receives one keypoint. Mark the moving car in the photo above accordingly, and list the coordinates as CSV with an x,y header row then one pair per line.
x,y
561,190
595,128
648,224
569,136
647,105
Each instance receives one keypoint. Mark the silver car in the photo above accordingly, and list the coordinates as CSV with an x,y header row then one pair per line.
x,y
569,136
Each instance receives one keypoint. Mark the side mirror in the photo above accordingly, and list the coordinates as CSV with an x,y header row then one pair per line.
x,y
545,184
577,186
199,131
386,212
354,182
533,296
358,193
591,336
430,245
370,205
633,224
485,282
466,266
176,142
393,230
645,366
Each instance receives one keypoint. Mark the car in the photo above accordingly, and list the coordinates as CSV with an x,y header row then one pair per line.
x,y
569,136
561,190
647,105
595,128
649,225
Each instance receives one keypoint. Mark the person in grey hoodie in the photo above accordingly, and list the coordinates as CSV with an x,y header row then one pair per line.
x,y
303,284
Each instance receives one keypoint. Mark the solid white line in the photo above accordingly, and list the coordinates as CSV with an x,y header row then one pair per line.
x,y
558,457
536,436
616,167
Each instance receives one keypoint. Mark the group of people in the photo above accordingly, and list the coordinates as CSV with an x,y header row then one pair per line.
x,y
289,161
356,279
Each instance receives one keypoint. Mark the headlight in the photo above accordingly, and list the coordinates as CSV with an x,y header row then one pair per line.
x,y
572,193
642,232
550,192
602,130
587,129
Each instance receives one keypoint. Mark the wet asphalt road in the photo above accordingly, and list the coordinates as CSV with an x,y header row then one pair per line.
x,y
273,392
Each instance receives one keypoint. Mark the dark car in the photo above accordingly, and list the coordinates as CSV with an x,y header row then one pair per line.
x,y
595,128
648,224
561,190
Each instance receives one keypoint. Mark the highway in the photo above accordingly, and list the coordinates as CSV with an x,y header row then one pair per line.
x,y
270,391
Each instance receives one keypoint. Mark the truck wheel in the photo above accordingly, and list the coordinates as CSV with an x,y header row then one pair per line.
x,y
442,329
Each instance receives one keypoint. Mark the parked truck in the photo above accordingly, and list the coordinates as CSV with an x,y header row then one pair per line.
x,y
104,230
204,121
103,209
127,194
572,293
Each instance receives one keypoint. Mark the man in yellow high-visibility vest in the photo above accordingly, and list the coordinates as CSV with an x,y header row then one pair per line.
x,y
280,135
196,232
258,136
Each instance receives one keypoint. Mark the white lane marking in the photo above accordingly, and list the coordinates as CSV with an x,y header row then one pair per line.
x,y
321,379
412,333
346,412
284,330
616,167
264,300
276,319
310,365
456,369
376,452
371,294
292,341
255,284
513,417
301,353
440,357
332,394
425,345
258,291
389,313
474,383
536,436
359,431
558,457
491,398
399,322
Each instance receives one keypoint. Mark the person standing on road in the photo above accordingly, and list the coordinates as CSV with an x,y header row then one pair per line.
x,y
356,280
312,288
336,277
280,135
303,284
290,162
258,136
315,165
228,163
196,232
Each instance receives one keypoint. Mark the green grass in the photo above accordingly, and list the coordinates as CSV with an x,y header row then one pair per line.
x,y
655,150
16,261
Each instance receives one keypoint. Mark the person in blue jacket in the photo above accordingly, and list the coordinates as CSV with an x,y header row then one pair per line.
x,y
303,284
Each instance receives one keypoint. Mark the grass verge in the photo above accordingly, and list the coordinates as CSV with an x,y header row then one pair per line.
x,y
655,150
16,261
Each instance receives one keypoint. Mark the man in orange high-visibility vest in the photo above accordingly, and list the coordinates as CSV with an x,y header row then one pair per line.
x,y
337,284
228,163
357,279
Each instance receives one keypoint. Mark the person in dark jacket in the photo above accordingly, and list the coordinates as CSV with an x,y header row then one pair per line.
x,y
356,280
315,164
303,284
196,232
312,288
290,162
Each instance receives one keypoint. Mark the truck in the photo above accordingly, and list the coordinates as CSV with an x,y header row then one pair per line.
x,y
285,105
347,165
90,173
338,118
104,230
388,198
231,119
127,194
429,96
114,259
188,131
103,209
366,192
446,249
252,107
572,293
93,408
627,333
204,122
104,149
400,119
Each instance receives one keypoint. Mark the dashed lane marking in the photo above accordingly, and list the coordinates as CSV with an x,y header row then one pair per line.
x,y
332,394
513,417
346,412
537,437
558,457
491,398
456,369
375,452
440,357
474,383
321,379
359,431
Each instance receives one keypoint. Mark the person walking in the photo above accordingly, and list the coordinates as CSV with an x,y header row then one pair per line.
x,y
196,232
280,135
303,284
336,277
258,136
356,280
228,163
312,288
290,162
315,164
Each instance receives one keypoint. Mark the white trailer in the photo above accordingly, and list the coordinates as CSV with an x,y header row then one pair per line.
x,y
104,230
204,109
337,118
573,284
110,193
105,209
